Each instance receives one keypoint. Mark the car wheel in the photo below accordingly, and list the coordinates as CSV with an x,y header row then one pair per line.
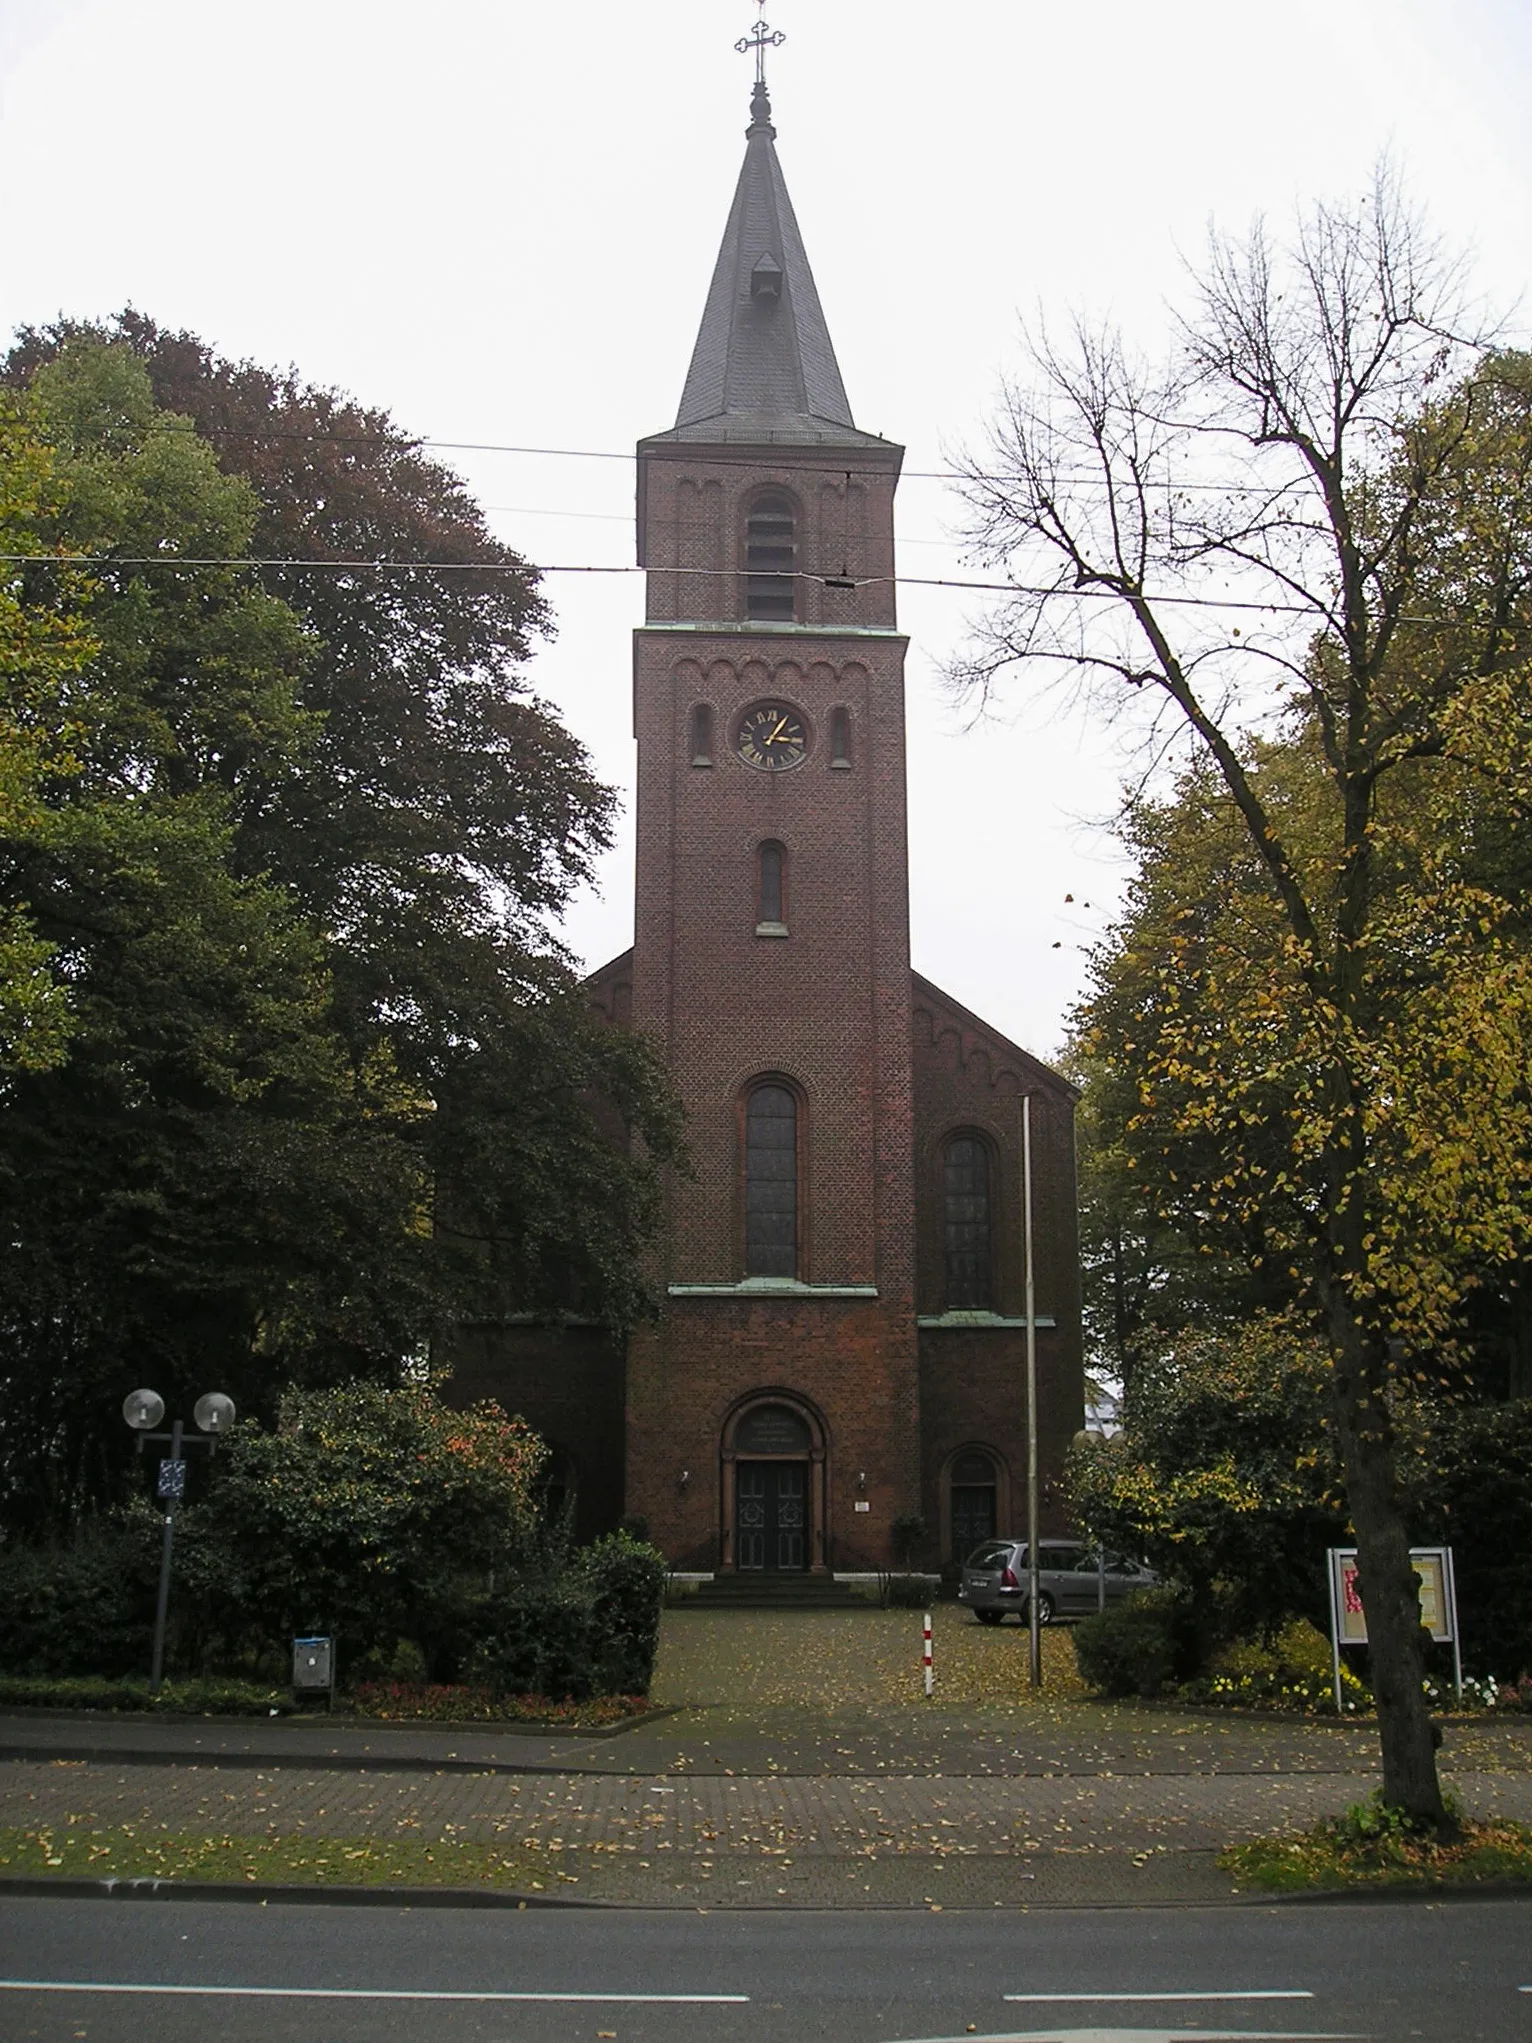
x,y
1044,1607
987,1616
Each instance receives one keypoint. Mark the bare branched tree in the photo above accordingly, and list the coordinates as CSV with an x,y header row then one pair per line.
x,y
1289,527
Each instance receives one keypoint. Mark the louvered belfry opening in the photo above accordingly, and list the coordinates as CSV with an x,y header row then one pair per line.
x,y
771,1182
770,557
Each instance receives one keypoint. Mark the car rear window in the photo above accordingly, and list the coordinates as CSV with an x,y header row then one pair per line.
x,y
995,1555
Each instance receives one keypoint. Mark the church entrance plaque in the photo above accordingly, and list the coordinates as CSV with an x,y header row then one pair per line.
x,y
772,1429
771,1514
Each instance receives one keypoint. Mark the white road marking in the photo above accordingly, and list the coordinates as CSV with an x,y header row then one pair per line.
x,y
1181,2035
1094,2035
1256,1993
669,2000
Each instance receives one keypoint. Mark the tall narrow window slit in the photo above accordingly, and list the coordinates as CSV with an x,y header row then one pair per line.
x,y
771,1182
840,737
771,892
702,734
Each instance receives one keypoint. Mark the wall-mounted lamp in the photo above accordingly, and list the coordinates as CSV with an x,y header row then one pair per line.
x,y
861,1479
686,1476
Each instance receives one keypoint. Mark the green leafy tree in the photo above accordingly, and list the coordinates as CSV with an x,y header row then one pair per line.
x,y
43,647
149,1181
1344,491
1223,1476
331,1085
440,816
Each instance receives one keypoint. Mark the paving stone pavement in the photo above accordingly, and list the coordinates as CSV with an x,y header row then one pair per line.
x,y
781,1803
604,1813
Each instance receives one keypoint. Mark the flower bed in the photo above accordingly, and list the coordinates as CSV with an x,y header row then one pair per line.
x,y
416,1701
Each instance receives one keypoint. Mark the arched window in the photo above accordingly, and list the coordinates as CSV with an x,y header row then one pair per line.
x,y
771,890
840,737
702,734
770,557
973,1493
771,1182
965,1196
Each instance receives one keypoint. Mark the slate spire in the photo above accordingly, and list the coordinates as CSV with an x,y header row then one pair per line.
x,y
763,368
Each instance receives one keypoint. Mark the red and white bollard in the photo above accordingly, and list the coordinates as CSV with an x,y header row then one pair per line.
x,y
925,1656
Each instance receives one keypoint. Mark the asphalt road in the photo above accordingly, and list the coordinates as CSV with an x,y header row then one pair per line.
x,y
1454,1971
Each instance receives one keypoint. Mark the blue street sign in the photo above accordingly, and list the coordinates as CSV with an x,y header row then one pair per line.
x,y
172,1481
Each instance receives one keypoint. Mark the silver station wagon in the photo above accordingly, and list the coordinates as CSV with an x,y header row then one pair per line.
x,y
1070,1579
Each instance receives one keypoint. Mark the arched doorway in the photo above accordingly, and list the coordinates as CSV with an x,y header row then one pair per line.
x,y
773,1490
974,1502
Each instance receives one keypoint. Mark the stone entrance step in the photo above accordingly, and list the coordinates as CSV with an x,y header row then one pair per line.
x,y
778,1592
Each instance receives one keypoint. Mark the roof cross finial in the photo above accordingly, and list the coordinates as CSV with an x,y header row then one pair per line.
x,y
763,37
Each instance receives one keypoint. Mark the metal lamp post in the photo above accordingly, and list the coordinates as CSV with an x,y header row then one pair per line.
x,y
143,1410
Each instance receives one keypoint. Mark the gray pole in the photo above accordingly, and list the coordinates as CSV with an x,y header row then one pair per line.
x,y
1034,1623
157,1668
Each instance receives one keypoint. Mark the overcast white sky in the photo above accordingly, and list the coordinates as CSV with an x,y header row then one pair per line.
x,y
499,221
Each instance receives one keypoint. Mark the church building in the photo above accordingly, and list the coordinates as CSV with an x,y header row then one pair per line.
x,y
842,1340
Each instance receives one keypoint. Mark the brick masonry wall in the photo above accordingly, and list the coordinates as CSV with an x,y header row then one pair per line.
x,y
850,1364
885,1065
693,502
973,1393
970,1079
826,1006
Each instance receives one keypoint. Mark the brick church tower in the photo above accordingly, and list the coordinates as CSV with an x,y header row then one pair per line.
x,y
840,1344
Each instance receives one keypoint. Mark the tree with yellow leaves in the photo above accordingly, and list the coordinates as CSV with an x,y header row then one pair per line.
x,y
1313,530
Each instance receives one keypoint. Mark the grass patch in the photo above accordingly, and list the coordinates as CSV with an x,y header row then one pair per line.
x,y
140,1851
1372,1846
402,1702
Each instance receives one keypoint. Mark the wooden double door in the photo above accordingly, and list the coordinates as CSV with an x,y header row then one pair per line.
x,y
771,1513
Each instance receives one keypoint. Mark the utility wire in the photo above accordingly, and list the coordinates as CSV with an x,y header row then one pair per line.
x,y
411,443
519,567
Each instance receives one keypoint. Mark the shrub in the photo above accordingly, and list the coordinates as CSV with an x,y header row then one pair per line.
x,y
186,1698
587,1628
87,1607
372,1513
626,1580
907,1533
1137,1647
539,1638
906,1592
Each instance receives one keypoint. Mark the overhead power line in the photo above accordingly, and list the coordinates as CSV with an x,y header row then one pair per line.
x,y
519,567
407,443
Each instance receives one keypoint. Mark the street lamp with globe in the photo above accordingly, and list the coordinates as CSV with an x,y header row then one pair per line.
x,y
143,1410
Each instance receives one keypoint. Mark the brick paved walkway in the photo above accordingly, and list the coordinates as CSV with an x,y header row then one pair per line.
x,y
972,1804
713,1817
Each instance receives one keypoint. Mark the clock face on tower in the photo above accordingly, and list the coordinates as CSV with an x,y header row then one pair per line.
x,y
771,736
